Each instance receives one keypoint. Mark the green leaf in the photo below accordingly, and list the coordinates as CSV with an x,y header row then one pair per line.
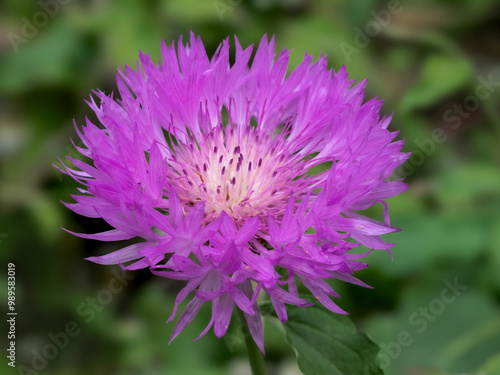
x,y
467,185
492,366
327,343
49,59
449,237
455,337
441,76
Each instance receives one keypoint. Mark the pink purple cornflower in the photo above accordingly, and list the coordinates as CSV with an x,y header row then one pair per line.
x,y
208,166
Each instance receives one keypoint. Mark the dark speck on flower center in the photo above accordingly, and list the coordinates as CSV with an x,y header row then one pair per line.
x,y
244,173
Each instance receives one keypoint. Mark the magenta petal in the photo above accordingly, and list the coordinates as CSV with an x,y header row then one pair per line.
x,y
231,260
184,293
187,316
223,315
242,301
141,263
321,295
254,320
211,322
227,226
111,235
349,279
120,256
195,216
248,230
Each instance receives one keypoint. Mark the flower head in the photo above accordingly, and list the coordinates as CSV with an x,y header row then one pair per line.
x,y
214,166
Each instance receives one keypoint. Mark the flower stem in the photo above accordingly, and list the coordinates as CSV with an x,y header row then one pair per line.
x,y
255,356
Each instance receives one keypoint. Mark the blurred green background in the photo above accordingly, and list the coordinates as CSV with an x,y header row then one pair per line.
x,y
435,63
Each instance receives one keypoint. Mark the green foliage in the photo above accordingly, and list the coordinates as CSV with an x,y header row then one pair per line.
x,y
492,367
441,76
327,343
